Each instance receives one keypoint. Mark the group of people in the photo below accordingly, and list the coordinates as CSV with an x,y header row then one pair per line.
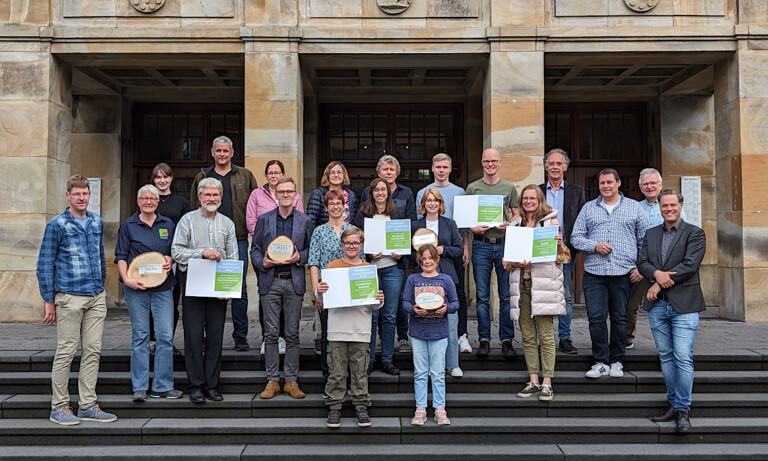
x,y
227,206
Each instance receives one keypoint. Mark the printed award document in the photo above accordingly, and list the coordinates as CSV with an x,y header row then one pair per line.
x,y
350,286
207,278
536,245
478,210
387,236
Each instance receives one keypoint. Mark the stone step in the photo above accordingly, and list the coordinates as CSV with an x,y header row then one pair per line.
x,y
318,452
385,430
233,382
25,406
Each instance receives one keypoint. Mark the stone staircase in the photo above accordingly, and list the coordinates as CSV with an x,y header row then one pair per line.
x,y
588,419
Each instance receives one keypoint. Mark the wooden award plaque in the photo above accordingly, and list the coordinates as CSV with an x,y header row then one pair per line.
x,y
280,249
148,268
422,237
429,301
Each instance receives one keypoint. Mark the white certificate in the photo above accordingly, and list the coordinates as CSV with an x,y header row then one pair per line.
x,y
532,244
478,210
207,278
387,236
350,286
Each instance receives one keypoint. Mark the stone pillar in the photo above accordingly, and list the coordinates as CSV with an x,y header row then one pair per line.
x,y
688,149
741,114
35,125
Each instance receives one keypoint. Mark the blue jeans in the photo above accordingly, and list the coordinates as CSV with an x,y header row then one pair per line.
x,y
604,296
429,360
391,283
564,321
240,306
485,257
452,351
674,335
158,304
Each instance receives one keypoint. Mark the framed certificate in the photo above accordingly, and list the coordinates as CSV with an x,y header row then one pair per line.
x,y
387,236
532,244
207,278
478,210
350,286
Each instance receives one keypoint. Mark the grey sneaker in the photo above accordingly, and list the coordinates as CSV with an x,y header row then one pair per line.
x,y
170,394
140,396
64,416
94,413
334,419
546,393
361,415
529,390
404,346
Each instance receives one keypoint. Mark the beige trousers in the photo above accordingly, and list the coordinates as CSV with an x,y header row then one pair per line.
x,y
531,328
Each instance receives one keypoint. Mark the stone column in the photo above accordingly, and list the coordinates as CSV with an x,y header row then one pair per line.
x,y
35,125
741,114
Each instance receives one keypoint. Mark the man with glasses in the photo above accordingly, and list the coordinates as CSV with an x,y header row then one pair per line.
x,y
238,183
487,253
282,286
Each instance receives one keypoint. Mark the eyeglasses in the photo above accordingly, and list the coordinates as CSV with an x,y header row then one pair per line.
x,y
148,199
335,204
336,173
211,195
80,194
491,162
351,244
650,184
285,192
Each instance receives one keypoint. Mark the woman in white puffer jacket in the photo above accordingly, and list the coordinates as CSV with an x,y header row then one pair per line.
x,y
537,295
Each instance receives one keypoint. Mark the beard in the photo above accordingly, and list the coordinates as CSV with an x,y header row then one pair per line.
x,y
210,208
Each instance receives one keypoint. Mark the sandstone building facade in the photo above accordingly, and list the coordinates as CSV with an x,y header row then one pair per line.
x,y
108,88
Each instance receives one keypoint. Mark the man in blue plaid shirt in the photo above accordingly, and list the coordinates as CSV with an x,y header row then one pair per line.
x,y
71,271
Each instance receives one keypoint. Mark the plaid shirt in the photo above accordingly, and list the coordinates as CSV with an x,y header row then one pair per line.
x,y
71,258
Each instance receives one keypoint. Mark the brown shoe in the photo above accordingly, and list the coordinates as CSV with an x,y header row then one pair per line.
x,y
292,388
272,389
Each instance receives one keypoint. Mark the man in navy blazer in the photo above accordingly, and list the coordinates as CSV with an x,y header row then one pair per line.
x,y
567,199
669,259
282,286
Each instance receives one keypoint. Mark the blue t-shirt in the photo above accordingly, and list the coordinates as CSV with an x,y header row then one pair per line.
x,y
448,192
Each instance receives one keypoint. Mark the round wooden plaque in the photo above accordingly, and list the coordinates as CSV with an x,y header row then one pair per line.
x,y
148,267
429,301
422,237
280,249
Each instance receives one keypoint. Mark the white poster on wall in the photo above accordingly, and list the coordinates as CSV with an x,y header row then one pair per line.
x,y
94,206
690,187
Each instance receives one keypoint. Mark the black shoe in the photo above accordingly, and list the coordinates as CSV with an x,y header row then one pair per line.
x,y
334,419
363,420
682,423
370,368
668,415
177,353
507,349
213,394
484,349
390,368
196,396
241,345
318,349
566,345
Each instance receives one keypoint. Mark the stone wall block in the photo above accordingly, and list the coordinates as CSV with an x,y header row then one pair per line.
x,y
90,8
517,75
756,292
690,152
581,7
710,229
336,8
28,12
57,174
725,186
731,291
753,169
208,9
726,81
110,199
752,11
730,240
709,277
272,76
23,128
59,132
518,12
96,114
517,125
23,179
753,80
698,7
21,298
24,77
727,130
20,237
282,12
96,155
453,8
687,113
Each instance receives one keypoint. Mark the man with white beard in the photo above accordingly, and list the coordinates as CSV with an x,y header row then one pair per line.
x,y
203,233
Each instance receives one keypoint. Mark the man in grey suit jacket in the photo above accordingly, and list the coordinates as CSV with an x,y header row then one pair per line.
x,y
669,259
282,286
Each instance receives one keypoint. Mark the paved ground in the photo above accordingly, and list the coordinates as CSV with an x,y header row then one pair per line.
x,y
713,334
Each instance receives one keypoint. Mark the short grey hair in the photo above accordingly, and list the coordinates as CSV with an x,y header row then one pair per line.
x,y
557,150
148,188
674,192
647,172
285,179
225,140
209,183
388,159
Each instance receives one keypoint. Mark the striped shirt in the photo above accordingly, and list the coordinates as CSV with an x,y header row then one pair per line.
x,y
623,230
71,258
195,233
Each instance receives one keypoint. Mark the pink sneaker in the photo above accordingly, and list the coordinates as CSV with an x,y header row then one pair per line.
x,y
419,417
441,417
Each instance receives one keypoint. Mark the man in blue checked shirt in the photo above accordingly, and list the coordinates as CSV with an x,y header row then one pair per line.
x,y
71,271
610,231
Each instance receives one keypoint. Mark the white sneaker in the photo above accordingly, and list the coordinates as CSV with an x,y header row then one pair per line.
x,y
456,372
464,346
261,351
617,370
281,344
597,370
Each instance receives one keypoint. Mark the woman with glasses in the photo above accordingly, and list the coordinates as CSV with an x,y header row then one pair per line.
x,y
390,268
325,247
262,200
450,249
335,178
143,232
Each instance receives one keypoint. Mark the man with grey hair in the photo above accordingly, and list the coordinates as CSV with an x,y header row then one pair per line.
x,y
237,183
567,199
650,186
203,233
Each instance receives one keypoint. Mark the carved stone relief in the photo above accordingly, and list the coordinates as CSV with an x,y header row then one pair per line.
x,y
641,6
393,6
147,6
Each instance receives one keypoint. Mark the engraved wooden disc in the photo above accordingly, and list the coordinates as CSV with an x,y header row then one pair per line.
x,y
147,267
429,301
280,249
423,237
